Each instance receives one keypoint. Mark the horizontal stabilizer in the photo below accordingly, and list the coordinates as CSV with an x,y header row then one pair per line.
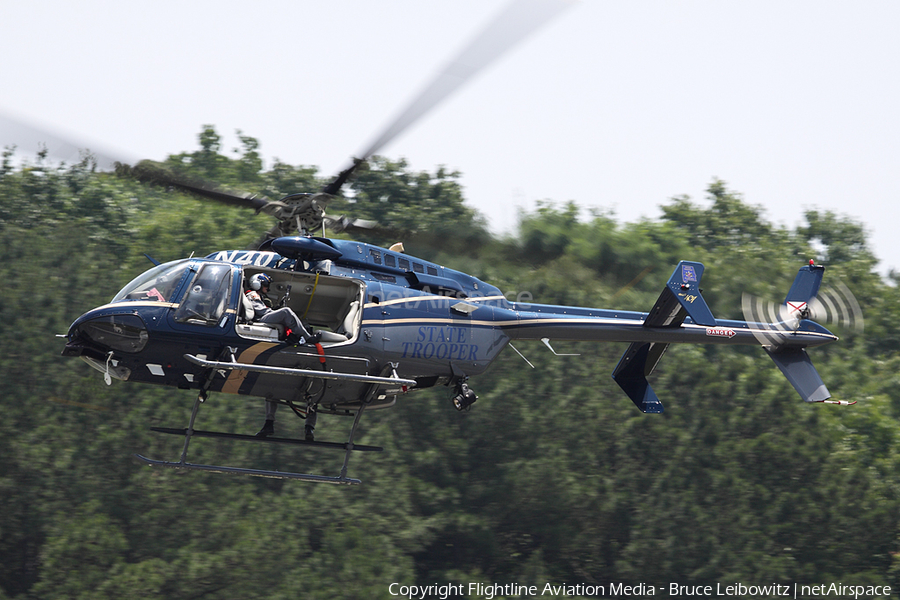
x,y
799,370
681,298
631,375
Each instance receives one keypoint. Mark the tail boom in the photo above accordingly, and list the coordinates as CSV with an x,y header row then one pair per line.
x,y
681,316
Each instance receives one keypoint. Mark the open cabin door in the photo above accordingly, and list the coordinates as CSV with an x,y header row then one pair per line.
x,y
327,304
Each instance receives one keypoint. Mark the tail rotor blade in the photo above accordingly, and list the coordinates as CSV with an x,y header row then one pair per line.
x,y
836,305
789,316
763,320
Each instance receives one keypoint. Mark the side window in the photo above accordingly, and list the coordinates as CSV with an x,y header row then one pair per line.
x,y
207,296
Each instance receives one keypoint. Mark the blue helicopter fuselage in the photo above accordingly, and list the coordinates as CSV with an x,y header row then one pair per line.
x,y
380,312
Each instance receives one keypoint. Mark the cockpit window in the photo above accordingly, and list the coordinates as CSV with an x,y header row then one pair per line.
x,y
156,285
207,297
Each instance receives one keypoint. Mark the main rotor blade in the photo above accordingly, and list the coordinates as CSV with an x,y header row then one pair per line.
x,y
152,172
515,23
30,138
33,139
512,25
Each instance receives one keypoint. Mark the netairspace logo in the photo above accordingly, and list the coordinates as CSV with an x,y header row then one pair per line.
x,y
490,591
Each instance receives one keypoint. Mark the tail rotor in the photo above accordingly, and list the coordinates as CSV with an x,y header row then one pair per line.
x,y
769,322
776,326
834,305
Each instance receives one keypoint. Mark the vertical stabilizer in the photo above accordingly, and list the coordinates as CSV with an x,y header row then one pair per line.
x,y
806,284
800,372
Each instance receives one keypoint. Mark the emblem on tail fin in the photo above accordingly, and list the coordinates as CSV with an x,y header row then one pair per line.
x,y
798,308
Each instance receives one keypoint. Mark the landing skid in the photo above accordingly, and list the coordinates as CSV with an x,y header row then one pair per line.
x,y
190,432
254,472
270,440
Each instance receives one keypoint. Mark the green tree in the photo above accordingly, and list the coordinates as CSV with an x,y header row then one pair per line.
x,y
553,476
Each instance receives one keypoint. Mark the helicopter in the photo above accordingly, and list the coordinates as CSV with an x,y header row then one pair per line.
x,y
385,323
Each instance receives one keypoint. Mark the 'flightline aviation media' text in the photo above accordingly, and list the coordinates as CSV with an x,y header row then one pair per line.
x,y
489,591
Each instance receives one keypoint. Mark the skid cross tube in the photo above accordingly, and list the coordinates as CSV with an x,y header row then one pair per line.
x,y
370,394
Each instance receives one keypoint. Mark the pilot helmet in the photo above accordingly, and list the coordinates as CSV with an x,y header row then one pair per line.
x,y
259,281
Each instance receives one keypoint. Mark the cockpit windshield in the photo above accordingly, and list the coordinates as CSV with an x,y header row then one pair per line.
x,y
206,300
156,285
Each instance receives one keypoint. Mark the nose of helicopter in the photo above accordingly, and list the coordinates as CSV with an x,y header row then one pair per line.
x,y
96,335
118,332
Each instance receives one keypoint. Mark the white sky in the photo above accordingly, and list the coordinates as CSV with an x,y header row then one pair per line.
x,y
616,105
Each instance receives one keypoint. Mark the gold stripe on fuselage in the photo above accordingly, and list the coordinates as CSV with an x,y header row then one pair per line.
x,y
248,356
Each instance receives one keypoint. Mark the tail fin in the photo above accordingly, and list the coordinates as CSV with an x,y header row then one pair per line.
x,y
800,372
793,360
805,288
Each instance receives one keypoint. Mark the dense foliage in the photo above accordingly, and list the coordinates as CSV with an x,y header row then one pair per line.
x,y
554,476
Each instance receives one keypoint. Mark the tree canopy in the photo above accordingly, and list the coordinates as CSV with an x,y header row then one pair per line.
x,y
554,476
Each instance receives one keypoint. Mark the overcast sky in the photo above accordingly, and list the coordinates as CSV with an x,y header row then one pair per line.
x,y
613,105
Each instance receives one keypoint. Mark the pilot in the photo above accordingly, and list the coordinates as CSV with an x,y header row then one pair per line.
x,y
262,308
